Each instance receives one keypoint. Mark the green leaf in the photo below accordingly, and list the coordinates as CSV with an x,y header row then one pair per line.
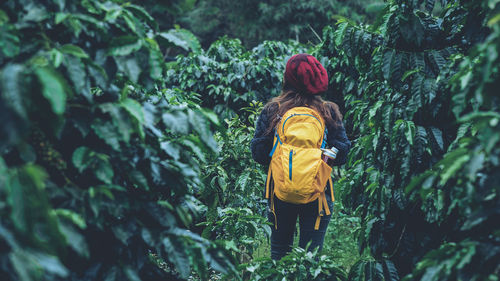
x,y
357,271
439,60
107,132
120,119
134,108
210,115
82,158
172,149
60,17
11,83
410,132
143,14
177,255
182,38
387,63
156,60
125,45
340,32
104,170
177,121
74,239
130,67
494,20
408,73
50,264
77,74
199,123
390,271
75,218
139,179
452,165
52,88
9,42
429,5
73,50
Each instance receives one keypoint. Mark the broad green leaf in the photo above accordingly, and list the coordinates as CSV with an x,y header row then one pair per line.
x,y
410,132
494,20
429,5
210,115
74,239
451,169
177,121
199,123
107,132
156,60
172,149
120,119
82,158
134,108
60,17
73,50
388,63
9,42
139,179
11,83
340,32
177,255
125,45
195,147
130,67
143,14
77,74
438,59
50,263
52,88
182,38
75,218
408,73
104,170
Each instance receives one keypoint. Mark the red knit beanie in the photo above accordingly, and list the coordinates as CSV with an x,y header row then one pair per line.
x,y
305,74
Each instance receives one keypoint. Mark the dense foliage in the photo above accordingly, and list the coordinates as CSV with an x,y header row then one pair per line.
x,y
120,162
94,160
256,21
419,95
229,77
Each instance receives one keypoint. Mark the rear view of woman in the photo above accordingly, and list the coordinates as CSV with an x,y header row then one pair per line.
x,y
291,132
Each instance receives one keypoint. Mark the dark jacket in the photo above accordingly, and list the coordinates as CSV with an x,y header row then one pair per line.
x,y
262,144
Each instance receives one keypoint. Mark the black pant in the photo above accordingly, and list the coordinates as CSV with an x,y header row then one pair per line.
x,y
286,218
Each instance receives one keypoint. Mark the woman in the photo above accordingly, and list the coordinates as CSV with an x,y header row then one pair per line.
x,y
304,79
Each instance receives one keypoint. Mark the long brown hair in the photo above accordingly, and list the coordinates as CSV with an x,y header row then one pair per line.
x,y
290,99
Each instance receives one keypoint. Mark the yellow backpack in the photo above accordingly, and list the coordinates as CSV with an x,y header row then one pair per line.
x,y
298,173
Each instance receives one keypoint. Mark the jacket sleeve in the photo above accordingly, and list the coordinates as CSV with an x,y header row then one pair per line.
x,y
337,137
261,143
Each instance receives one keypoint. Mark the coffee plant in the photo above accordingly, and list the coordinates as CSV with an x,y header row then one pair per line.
x,y
233,191
418,100
229,77
297,265
119,161
94,158
279,20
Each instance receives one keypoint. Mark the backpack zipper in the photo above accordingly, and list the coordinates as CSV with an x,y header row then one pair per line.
x,y
295,114
290,164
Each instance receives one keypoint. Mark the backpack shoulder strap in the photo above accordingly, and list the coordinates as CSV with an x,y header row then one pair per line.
x,y
278,140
